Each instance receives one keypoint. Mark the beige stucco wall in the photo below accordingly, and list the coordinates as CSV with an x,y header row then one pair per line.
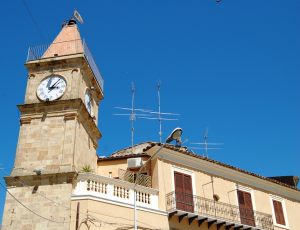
x,y
225,188
110,216
104,168
113,166
293,210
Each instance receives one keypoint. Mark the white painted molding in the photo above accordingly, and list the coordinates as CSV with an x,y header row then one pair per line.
x,y
249,190
280,199
119,203
184,171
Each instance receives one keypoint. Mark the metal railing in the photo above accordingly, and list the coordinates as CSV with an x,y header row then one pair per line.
x,y
214,209
131,177
66,48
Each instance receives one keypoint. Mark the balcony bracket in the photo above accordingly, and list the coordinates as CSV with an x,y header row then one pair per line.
x,y
181,217
210,223
172,214
219,225
238,227
191,219
227,227
201,221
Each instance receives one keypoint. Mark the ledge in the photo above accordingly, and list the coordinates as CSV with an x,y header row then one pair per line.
x,y
70,109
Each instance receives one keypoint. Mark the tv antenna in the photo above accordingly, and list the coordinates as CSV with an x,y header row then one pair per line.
x,y
158,114
133,113
206,145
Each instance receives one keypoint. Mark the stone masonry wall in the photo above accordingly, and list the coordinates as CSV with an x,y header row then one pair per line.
x,y
17,217
45,144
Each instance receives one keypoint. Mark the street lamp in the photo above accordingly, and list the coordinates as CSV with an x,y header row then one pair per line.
x,y
174,136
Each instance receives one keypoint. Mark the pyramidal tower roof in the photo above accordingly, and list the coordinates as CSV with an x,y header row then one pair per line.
x,y
67,45
67,42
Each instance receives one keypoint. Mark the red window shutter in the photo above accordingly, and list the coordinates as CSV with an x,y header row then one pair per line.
x,y
278,212
179,191
188,184
183,192
241,199
178,182
248,201
246,208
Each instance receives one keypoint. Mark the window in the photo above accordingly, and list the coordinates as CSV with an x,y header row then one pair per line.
x,y
183,192
278,212
246,208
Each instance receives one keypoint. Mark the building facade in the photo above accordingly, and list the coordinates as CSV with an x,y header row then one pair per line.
x,y
59,182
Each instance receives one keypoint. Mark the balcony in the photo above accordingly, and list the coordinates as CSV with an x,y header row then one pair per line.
x,y
200,209
140,179
67,48
114,190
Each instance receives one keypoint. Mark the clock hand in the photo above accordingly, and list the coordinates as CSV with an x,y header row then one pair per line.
x,y
49,83
53,86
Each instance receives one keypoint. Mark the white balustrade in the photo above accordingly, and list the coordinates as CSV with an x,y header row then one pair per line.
x,y
115,190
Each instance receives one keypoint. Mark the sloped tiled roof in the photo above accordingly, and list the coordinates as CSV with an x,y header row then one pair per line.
x,y
141,150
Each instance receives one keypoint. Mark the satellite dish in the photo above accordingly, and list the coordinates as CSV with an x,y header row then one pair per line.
x,y
78,17
175,136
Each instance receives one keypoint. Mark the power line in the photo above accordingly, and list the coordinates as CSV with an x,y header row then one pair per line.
x,y
33,20
45,218
68,208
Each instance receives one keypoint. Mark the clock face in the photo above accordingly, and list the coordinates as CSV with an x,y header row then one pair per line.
x,y
51,88
88,101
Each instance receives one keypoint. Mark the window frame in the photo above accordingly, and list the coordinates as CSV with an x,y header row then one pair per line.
x,y
281,200
248,190
175,168
245,189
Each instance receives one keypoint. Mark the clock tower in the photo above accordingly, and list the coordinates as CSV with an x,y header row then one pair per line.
x,y
58,132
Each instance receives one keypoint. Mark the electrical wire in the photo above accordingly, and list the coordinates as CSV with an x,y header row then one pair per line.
x,y
35,213
68,208
33,19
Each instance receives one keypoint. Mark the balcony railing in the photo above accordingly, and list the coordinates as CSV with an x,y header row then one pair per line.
x,y
116,190
63,49
132,177
217,210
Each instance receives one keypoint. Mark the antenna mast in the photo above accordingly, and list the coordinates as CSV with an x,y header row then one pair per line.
x,y
159,113
205,137
132,113
205,144
132,116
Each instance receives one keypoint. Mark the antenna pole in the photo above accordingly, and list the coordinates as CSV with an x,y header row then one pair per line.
x,y
159,113
132,117
205,142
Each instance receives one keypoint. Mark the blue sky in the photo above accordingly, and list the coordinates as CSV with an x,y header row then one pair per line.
x,y
231,67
